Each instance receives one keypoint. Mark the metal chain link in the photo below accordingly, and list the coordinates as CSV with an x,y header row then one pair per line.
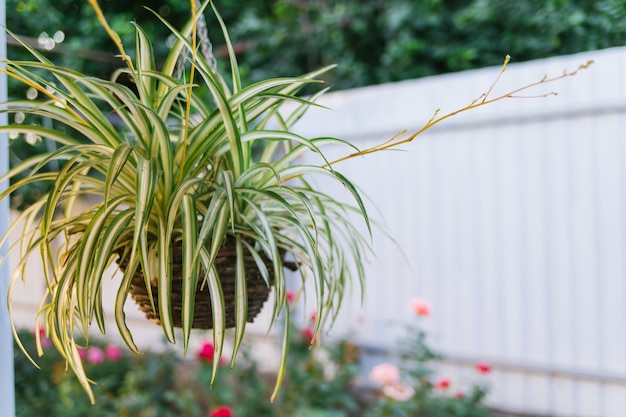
x,y
206,47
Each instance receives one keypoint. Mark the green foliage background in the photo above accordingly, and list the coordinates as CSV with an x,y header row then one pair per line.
x,y
372,41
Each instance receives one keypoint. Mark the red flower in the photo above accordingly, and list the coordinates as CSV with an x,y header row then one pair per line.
x,y
222,411
442,384
420,307
307,334
206,353
483,367
290,297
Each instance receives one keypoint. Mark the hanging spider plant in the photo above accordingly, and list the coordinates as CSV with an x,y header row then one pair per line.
x,y
179,192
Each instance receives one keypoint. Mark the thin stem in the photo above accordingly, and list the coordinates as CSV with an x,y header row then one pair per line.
x,y
112,34
480,101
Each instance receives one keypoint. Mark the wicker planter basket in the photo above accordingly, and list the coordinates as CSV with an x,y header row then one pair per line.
x,y
258,290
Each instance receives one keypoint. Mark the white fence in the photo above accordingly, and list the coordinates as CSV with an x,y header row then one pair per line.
x,y
511,218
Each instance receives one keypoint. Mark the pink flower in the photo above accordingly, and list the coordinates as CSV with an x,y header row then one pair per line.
x,y
442,384
459,395
290,297
420,307
113,353
95,355
483,367
307,334
222,411
81,353
399,392
206,352
385,374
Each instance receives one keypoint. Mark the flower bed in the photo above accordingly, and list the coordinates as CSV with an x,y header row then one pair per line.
x,y
320,380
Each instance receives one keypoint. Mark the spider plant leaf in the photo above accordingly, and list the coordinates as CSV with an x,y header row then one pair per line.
x,y
185,188
236,81
144,63
42,177
98,312
118,162
219,94
146,184
241,299
164,109
256,172
234,67
165,281
58,190
227,180
120,300
357,197
108,238
189,220
89,245
217,308
263,95
210,220
219,232
260,263
283,357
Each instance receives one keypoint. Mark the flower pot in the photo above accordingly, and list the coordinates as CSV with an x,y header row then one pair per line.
x,y
257,288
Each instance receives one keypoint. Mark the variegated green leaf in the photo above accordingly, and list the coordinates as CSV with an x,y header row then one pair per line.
x,y
190,265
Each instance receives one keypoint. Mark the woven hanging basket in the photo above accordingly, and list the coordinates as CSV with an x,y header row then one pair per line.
x,y
257,288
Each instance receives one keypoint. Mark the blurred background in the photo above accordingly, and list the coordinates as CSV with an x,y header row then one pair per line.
x,y
509,219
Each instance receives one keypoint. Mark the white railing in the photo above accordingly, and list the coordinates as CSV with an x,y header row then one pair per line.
x,y
511,218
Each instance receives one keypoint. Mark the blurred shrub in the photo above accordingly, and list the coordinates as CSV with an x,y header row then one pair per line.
x,y
321,380
127,385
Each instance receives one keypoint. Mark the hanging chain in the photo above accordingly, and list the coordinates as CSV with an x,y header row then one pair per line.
x,y
206,47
